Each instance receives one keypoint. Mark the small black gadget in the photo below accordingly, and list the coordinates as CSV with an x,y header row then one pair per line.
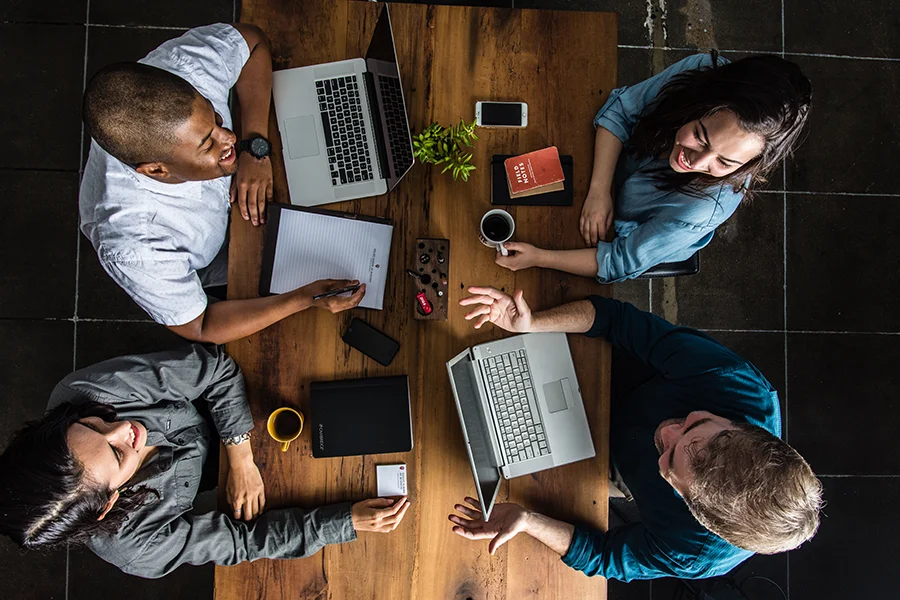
x,y
360,416
371,342
257,146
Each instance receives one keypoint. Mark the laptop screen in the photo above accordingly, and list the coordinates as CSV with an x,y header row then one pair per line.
x,y
484,465
391,120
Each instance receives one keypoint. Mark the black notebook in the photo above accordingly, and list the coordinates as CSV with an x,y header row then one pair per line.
x,y
500,187
360,416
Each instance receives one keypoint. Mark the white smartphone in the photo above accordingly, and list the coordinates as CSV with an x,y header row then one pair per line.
x,y
501,114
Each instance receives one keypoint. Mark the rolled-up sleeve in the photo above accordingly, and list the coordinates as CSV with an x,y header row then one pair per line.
x,y
646,246
626,104
216,538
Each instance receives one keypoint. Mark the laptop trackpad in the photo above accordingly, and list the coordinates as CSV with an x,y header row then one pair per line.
x,y
555,396
302,139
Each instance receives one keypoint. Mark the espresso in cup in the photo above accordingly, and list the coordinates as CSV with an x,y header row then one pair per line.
x,y
497,228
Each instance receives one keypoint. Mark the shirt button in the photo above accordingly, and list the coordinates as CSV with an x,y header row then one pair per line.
x,y
187,484
180,440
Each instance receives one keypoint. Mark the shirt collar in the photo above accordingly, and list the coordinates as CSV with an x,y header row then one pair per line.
x,y
189,189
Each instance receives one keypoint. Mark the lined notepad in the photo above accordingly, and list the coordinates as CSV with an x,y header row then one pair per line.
x,y
314,246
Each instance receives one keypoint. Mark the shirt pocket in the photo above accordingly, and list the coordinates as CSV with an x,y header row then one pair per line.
x,y
187,479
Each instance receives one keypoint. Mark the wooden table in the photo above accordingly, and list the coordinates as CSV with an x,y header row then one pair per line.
x,y
563,64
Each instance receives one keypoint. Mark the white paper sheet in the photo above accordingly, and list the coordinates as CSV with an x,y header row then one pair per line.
x,y
312,247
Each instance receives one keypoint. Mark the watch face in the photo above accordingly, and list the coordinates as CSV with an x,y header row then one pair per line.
x,y
260,147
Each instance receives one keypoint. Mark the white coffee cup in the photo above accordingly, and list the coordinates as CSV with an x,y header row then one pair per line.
x,y
497,227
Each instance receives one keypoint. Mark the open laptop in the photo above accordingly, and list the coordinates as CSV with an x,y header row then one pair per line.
x,y
344,127
520,409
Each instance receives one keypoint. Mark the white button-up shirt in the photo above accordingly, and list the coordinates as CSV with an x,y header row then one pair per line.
x,y
152,237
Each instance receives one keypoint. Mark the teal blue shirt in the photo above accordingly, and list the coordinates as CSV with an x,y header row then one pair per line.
x,y
694,372
653,226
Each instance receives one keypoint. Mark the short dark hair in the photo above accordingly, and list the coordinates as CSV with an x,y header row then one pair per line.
x,y
132,111
754,491
770,96
46,500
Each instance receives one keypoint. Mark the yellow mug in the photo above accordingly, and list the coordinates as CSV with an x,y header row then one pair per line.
x,y
285,425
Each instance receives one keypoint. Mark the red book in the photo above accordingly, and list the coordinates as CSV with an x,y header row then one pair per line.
x,y
534,173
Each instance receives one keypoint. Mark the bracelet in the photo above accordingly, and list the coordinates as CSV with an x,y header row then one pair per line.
x,y
236,440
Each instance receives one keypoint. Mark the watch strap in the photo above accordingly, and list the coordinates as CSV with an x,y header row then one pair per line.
x,y
237,440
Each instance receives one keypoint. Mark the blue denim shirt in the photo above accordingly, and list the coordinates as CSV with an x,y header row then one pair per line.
x,y
653,226
695,372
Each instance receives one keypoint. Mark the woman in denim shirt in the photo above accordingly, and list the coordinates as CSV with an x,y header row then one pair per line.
x,y
697,138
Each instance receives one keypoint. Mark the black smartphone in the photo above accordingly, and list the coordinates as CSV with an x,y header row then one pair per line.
x,y
371,342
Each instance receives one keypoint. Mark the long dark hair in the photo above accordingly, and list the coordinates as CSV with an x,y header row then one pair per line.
x,y
769,95
46,500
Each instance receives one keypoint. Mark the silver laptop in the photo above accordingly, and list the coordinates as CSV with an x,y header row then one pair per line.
x,y
520,408
344,127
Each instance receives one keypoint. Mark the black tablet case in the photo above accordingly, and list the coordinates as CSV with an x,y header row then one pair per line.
x,y
500,189
273,218
360,416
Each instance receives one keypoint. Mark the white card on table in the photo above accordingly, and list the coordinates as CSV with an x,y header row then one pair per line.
x,y
391,480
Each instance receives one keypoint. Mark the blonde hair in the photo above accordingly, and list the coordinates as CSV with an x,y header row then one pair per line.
x,y
754,491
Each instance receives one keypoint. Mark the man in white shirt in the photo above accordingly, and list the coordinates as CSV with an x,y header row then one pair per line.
x,y
164,168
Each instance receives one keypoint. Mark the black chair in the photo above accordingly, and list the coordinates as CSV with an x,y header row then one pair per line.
x,y
690,266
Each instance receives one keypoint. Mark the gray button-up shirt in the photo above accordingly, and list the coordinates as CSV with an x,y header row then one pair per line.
x,y
156,390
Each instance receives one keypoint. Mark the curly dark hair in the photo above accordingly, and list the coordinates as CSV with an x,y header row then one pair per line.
x,y
770,96
46,500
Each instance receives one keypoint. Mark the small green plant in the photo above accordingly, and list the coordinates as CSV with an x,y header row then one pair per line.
x,y
444,145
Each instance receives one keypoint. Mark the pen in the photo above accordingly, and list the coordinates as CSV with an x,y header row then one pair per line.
x,y
343,290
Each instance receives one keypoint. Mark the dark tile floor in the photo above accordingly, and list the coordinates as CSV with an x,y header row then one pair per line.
x,y
802,280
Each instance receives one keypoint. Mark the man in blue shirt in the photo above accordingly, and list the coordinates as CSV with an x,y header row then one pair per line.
x,y
697,445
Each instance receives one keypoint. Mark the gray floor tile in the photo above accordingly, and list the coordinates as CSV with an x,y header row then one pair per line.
x,y
635,291
844,401
740,283
98,341
165,13
854,553
91,578
860,28
31,575
39,238
46,11
753,25
634,65
632,30
854,128
634,590
34,356
842,257
44,65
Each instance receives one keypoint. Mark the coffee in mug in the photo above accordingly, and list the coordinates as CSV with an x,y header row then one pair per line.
x,y
497,228
284,425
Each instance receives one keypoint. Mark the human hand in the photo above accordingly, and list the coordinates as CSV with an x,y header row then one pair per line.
x,y
596,217
507,520
251,187
334,304
506,312
381,515
244,487
522,256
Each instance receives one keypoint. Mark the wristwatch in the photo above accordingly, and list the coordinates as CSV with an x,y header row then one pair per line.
x,y
258,147
236,440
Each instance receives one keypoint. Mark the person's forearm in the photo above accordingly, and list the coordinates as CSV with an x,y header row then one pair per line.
x,y
578,262
254,88
574,317
231,320
607,149
554,534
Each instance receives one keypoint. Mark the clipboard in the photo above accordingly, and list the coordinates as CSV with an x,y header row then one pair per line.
x,y
324,244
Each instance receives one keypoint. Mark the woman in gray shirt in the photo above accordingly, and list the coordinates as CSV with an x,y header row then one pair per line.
x,y
116,463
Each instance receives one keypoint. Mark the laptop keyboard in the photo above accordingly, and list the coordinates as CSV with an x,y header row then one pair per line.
x,y
515,404
397,125
345,133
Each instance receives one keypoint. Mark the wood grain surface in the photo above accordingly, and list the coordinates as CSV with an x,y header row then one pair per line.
x,y
563,64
